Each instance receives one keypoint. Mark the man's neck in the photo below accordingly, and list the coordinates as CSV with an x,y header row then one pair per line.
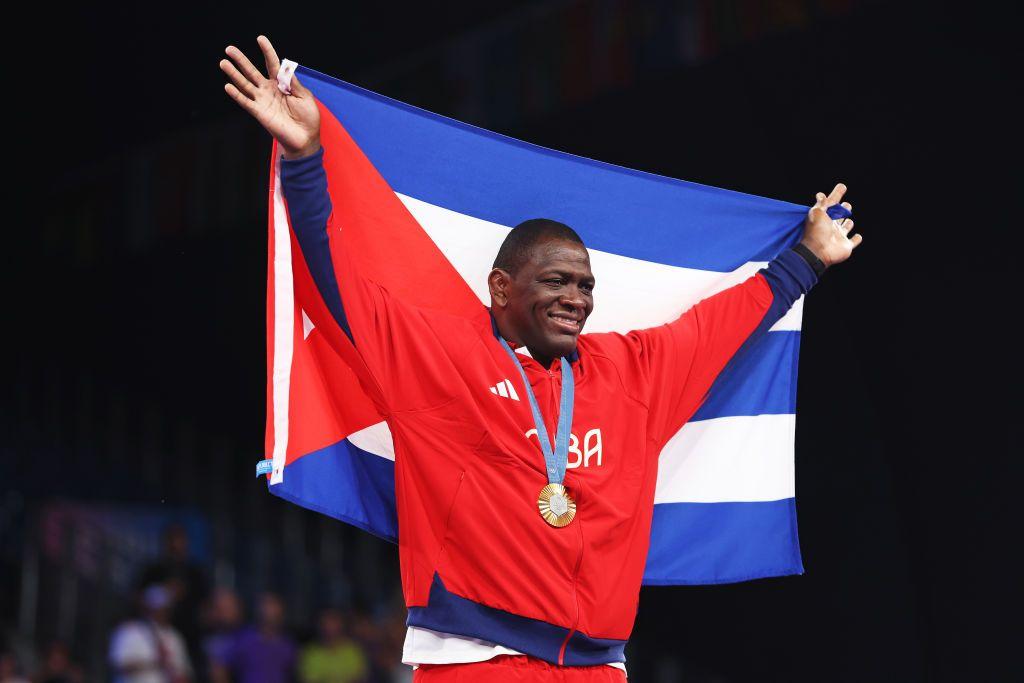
x,y
545,361
508,335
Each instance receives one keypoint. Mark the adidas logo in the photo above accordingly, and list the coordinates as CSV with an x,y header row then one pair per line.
x,y
505,389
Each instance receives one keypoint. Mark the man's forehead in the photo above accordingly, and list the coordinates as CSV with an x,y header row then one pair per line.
x,y
550,252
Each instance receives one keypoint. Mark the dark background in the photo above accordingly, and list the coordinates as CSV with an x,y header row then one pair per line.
x,y
135,290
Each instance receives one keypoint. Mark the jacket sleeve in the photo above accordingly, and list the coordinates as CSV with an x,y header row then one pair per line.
x,y
390,341
679,361
304,183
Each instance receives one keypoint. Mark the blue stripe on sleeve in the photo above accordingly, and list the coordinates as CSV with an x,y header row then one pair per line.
x,y
790,277
759,365
304,182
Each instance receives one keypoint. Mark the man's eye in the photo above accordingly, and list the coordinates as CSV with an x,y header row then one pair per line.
x,y
555,281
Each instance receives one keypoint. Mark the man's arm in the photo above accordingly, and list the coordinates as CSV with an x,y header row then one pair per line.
x,y
390,338
682,359
825,242
304,183
293,120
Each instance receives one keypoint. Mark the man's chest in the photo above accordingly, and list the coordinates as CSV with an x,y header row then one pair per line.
x,y
607,436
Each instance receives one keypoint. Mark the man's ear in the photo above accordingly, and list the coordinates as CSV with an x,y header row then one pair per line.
x,y
498,282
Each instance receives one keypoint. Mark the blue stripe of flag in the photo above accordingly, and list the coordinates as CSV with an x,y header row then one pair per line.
x,y
725,542
346,483
759,380
496,178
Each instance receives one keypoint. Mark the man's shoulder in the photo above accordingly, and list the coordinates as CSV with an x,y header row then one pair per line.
x,y
612,345
453,331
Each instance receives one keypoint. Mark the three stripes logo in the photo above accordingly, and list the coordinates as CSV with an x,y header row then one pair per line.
x,y
505,389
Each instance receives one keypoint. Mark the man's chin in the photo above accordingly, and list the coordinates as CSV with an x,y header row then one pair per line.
x,y
563,347
554,343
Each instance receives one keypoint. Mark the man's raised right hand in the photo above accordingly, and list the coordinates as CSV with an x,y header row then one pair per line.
x,y
293,120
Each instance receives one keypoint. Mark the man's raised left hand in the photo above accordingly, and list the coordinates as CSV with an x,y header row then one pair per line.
x,y
828,239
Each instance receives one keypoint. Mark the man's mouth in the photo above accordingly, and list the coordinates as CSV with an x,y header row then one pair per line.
x,y
567,322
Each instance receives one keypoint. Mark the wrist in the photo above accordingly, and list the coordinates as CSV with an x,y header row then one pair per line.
x,y
818,250
817,264
309,149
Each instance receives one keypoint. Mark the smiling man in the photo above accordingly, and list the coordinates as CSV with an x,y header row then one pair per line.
x,y
526,452
541,288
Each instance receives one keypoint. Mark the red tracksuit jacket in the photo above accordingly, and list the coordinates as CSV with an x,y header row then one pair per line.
x,y
477,559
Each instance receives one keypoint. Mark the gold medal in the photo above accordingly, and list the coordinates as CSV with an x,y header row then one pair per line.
x,y
556,505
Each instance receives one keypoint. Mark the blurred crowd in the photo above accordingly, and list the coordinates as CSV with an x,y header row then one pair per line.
x,y
55,666
182,630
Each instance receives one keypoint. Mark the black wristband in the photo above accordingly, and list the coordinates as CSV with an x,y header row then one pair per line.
x,y
813,261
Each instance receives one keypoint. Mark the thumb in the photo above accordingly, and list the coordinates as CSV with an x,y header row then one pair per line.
x,y
298,88
819,202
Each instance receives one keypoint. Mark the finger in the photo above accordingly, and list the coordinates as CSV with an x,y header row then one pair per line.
x,y
818,202
856,240
269,56
243,101
298,88
848,206
836,195
241,82
846,226
244,65
817,215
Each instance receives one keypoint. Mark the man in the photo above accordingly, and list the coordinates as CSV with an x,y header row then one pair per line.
x,y
223,623
503,582
150,650
262,653
334,658
188,585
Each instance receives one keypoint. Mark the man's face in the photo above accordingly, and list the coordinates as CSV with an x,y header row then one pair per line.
x,y
550,298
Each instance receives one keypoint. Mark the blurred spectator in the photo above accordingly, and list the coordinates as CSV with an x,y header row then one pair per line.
x,y
262,653
57,666
223,621
150,650
365,630
187,583
387,655
9,669
335,658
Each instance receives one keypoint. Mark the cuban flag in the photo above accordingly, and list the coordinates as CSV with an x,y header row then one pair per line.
x,y
443,195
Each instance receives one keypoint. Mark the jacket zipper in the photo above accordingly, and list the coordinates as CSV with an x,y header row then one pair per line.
x,y
575,599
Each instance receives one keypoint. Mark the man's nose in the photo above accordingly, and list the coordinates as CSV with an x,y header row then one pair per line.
x,y
572,298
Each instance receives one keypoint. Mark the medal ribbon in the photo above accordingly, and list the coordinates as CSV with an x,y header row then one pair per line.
x,y
554,461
